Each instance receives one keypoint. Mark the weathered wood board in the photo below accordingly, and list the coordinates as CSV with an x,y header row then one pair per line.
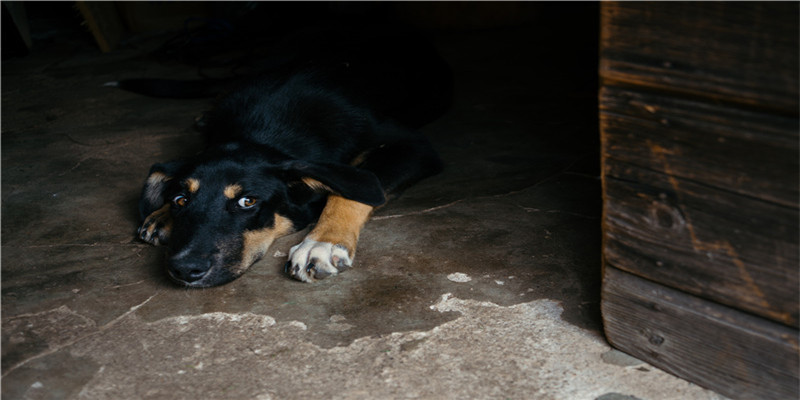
x,y
700,197
744,52
749,153
103,21
739,355
700,132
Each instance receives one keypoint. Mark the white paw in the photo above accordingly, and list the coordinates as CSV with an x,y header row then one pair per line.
x,y
312,260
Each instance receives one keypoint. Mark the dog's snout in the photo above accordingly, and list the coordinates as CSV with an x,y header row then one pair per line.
x,y
189,269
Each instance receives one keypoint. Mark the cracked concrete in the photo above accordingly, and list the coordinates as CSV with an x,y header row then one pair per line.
x,y
486,352
482,282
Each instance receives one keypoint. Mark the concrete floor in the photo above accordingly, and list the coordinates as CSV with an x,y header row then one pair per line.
x,y
482,282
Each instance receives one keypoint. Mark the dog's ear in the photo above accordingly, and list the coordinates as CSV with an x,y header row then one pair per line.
x,y
152,197
344,180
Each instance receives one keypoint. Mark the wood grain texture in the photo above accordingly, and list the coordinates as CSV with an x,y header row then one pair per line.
x,y
746,152
728,351
700,132
704,198
742,52
103,21
699,128
735,250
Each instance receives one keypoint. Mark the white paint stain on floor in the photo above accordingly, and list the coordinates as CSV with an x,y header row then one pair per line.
x,y
459,277
523,351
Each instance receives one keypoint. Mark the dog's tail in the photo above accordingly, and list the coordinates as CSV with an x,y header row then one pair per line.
x,y
174,89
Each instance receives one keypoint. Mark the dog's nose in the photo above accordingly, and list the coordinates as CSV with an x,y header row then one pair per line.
x,y
189,270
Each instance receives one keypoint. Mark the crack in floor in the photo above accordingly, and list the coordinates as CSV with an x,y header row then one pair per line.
x,y
420,212
565,171
514,339
78,339
531,209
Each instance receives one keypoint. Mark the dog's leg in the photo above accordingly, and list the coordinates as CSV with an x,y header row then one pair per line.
x,y
157,226
330,247
154,210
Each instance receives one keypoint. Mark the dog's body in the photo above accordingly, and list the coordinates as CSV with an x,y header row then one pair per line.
x,y
325,138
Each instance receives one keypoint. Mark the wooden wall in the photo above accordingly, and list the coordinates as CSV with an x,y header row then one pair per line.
x,y
699,126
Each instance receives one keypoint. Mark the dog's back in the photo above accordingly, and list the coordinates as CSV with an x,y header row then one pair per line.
x,y
393,71
299,114
325,103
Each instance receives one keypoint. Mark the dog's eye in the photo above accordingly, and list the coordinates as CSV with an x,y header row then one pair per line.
x,y
180,200
246,202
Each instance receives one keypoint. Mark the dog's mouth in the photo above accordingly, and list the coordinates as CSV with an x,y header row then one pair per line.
x,y
183,282
212,277
199,274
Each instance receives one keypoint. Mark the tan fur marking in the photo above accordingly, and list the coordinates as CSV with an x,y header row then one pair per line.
x,y
360,158
193,185
256,243
157,177
231,191
341,222
154,186
316,185
159,220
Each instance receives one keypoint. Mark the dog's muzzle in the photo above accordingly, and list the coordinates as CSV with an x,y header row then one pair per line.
x,y
198,270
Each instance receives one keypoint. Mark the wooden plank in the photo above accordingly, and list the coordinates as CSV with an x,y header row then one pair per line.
x,y
103,21
736,250
700,137
703,197
733,353
155,16
744,52
746,152
16,9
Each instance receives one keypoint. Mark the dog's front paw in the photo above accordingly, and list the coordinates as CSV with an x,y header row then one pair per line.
x,y
312,260
156,227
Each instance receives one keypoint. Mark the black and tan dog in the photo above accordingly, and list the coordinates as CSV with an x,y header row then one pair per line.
x,y
322,139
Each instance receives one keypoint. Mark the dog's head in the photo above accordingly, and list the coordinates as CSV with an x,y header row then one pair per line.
x,y
220,211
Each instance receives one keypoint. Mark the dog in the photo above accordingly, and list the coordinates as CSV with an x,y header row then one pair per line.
x,y
323,137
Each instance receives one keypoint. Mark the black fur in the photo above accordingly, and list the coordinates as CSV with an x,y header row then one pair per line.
x,y
338,118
